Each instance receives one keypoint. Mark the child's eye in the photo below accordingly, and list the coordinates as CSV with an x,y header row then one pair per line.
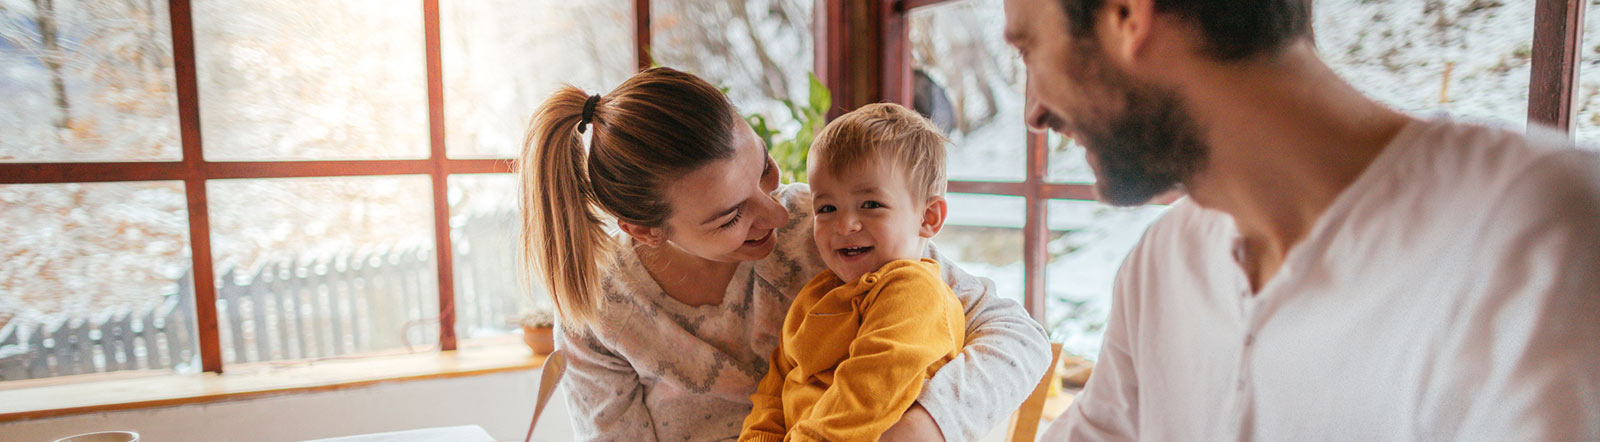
x,y
871,205
825,208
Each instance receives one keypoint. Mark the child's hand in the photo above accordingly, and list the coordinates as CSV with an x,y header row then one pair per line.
x,y
915,426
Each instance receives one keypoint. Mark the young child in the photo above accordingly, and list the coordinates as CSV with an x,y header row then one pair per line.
x,y
863,336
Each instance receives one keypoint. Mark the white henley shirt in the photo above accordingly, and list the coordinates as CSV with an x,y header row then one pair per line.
x,y
1451,293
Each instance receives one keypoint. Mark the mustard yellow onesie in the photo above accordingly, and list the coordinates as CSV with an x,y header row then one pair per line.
x,y
853,356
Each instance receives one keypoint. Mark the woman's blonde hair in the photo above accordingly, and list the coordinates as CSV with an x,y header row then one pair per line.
x,y
654,128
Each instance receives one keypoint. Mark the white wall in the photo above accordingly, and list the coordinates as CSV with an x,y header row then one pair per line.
x,y
501,403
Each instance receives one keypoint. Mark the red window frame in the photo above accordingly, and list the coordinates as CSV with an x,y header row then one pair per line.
x,y
861,53
194,170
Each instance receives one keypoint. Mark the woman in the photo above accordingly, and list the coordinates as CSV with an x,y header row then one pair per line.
x,y
668,324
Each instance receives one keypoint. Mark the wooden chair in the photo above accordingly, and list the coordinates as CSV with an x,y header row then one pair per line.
x,y
1025,422
555,365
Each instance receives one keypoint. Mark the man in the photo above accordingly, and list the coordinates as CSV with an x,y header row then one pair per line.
x,y
1340,270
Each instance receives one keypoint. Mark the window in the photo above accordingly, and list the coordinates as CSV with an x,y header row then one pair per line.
x,y
760,51
533,47
310,80
86,82
1469,58
323,267
333,222
284,168
973,83
983,233
1472,59
117,251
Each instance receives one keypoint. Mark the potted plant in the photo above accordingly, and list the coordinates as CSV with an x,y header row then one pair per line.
x,y
789,149
538,330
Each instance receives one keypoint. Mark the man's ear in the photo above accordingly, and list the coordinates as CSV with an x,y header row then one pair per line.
x,y
933,216
650,236
1124,27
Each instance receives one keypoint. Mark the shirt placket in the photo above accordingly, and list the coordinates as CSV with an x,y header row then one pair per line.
x,y
1243,398
1243,394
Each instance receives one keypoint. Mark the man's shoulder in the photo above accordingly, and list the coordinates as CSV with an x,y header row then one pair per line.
x,y
1526,174
1186,223
1187,234
1493,154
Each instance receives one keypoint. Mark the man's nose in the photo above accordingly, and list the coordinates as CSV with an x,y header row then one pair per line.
x,y
1034,113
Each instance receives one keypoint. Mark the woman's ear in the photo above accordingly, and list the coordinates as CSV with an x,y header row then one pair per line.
x,y
933,216
650,236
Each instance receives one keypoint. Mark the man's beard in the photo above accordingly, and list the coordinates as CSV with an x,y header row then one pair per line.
x,y
1152,145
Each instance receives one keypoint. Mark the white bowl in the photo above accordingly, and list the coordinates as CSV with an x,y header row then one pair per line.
x,y
102,436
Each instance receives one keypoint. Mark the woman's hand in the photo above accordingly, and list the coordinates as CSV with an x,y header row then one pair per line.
x,y
915,426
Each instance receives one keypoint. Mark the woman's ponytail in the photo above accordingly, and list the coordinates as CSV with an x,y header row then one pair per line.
x,y
654,128
564,242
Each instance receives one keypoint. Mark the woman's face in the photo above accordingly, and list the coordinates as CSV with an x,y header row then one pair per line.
x,y
724,211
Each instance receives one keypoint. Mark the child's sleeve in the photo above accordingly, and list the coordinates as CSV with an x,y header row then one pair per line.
x,y
902,333
765,422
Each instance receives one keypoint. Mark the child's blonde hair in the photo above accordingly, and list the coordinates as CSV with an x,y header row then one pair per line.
x,y
889,132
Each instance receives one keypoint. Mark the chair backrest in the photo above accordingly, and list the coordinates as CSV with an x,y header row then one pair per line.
x,y
1025,424
555,365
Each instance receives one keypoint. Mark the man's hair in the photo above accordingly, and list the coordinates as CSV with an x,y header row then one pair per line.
x,y
1234,29
886,132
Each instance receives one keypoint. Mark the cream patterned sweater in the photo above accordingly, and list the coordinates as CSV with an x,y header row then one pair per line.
x,y
657,369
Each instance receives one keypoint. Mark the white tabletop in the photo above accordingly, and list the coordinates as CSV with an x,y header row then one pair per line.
x,y
464,433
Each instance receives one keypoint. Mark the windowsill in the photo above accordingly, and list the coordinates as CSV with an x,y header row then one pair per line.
x,y
68,395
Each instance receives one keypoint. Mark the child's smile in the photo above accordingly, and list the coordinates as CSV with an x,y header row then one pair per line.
x,y
865,218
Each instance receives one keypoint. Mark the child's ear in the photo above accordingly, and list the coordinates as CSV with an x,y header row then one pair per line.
x,y
650,236
933,216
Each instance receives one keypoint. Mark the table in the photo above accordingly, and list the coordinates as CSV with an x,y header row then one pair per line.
x,y
463,433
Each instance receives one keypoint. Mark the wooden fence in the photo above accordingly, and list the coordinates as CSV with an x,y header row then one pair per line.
x,y
345,304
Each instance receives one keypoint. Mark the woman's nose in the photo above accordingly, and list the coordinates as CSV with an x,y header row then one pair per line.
x,y
774,215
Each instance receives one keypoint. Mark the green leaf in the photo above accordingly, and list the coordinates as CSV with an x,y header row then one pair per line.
x,y
821,99
791,149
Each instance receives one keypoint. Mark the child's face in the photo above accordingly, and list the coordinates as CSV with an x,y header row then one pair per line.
x,y
866,217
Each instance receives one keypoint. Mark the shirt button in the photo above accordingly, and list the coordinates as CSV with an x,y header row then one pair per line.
x,y
872,278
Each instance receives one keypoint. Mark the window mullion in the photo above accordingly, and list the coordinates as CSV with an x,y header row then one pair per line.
x,y
444,253
194,185
1557,34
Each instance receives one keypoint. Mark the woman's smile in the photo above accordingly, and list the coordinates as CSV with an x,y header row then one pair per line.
x,y
761,241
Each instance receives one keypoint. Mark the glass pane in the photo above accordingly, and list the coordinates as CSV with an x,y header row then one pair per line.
x,y
1088,242
96,279
1466,57
504,57
1068,162
321,267
311,80
87,81
483,230
760,50
969,82
983,233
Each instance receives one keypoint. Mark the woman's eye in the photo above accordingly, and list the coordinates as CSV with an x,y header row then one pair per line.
x,y
871,205
826,208
731,222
